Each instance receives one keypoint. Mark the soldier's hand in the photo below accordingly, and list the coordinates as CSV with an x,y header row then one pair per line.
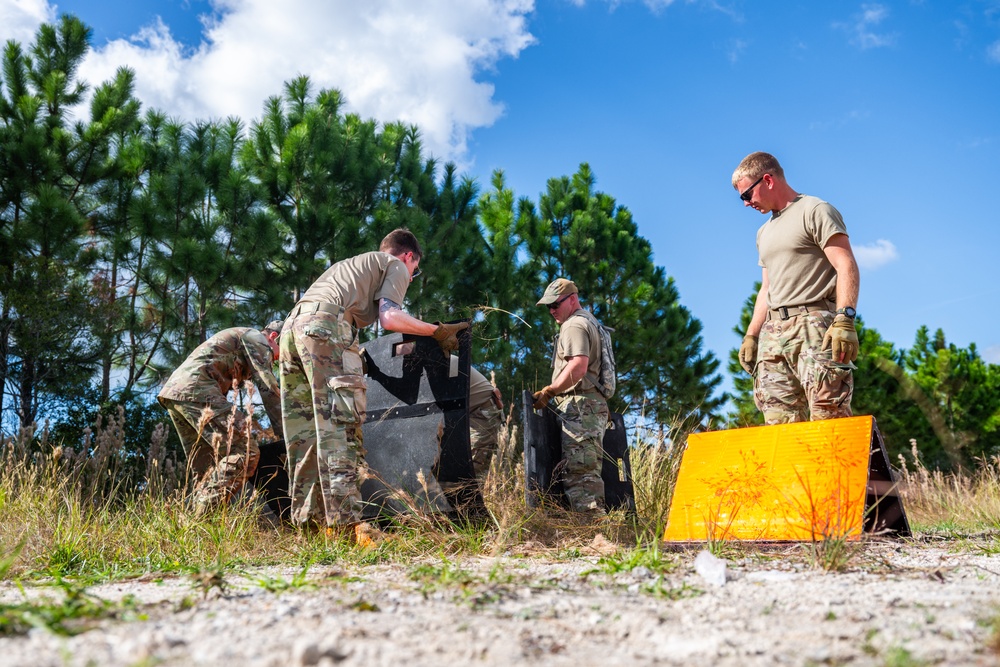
x,y
748,353
447,335
542,397
842,339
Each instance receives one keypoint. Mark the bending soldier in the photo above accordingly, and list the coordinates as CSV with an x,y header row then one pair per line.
x,y
217,436
322,379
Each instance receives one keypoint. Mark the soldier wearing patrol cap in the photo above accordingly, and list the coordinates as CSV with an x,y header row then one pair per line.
x,y
574,395
221,448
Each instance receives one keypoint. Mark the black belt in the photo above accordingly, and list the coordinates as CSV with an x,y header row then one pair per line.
x,y
316,307
786,312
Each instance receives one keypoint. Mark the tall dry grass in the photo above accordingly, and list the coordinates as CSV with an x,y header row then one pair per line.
x,y
967,501
71,512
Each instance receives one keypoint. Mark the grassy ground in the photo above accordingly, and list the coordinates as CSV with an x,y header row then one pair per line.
x,y
66,516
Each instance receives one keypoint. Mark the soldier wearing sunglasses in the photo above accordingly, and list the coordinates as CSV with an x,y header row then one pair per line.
x,y
801,339
575,397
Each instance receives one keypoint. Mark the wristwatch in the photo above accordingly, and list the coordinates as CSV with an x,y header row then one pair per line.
x,y
850,312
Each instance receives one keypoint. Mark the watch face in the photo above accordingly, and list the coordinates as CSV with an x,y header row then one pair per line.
x,y
850,312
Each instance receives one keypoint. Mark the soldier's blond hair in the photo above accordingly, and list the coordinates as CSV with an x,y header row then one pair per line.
x,y
757,164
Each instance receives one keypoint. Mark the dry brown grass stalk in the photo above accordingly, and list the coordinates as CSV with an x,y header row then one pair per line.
x,y
963,501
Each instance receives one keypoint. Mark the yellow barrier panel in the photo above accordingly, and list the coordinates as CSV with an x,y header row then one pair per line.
x,y
802,481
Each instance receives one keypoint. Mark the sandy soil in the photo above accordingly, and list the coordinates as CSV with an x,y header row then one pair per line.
x,y
899,603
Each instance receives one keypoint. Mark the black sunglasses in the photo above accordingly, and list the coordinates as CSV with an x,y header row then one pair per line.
x,y
748,193
556,304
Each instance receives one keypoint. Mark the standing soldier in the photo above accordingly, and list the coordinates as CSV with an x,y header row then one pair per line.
x,y
804,313
221,449
485,422
578,401
322,380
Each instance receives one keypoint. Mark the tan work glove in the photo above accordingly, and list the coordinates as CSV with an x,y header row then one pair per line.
x,y
447,335
542,397
842,339
748,353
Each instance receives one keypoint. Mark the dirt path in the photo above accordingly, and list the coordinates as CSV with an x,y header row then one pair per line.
x,y
899,604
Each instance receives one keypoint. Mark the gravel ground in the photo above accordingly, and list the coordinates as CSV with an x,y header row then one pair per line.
x,y
899,603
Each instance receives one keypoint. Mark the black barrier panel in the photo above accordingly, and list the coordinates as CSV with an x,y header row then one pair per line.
x,y
271,477
543,451
416,431
417,426
616,470
883,509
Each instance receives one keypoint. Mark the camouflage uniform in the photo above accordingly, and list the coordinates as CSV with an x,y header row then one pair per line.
x,y
583,414
485,422
795,378
323,387
216,436
323,402
584,418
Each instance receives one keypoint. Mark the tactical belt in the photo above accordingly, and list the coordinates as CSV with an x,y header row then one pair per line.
x,y
786,312
316,307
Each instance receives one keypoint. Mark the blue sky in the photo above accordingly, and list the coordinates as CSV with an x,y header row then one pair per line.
x,y
889,110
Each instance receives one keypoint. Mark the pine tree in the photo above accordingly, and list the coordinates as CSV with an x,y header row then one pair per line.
x,y
52,313
746,412
663,371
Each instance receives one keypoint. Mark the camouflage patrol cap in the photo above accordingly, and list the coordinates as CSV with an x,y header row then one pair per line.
x,y
558,288
275,326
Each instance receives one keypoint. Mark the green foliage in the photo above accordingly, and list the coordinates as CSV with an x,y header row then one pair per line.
x,y
584,235
74,613
278,585
144,236
650,558
746,412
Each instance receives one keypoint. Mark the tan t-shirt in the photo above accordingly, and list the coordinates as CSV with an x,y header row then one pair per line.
x,y
578,337
480,390
358,283
791,245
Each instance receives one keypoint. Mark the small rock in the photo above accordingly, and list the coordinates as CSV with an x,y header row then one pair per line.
x,y
710,568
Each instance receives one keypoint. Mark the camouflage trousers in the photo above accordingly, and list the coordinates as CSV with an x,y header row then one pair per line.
x,y
795,380
485,422
221,452
583,418
322,408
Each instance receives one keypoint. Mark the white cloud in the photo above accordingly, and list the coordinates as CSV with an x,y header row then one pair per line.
x,y
875,255
735,50
19,19
418,63
862,28
993,52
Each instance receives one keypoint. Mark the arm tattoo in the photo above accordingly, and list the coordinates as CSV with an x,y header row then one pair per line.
x,y
386,305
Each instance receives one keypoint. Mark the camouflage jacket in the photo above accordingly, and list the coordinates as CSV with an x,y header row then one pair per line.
x,y
223,362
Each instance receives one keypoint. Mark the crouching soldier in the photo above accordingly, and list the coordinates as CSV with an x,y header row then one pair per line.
x,y
221,449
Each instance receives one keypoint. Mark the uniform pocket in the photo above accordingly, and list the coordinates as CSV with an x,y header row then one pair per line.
x,y
318,331
348,398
